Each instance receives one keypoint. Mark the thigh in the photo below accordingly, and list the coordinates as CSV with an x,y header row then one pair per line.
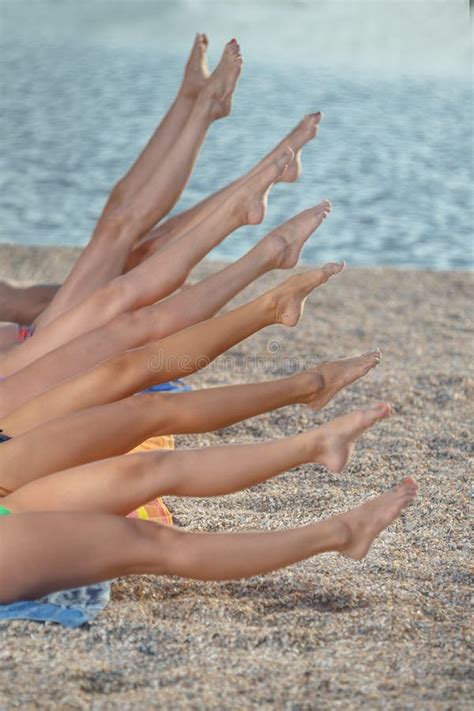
x,y
47,551
118,486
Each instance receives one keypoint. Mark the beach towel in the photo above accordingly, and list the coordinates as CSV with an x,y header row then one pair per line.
x,y
175,386
155,510
71,608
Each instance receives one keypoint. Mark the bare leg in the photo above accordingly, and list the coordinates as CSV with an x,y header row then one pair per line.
x,y
23,304
82,548
213,102
110,430
122,484
132,212
177,225
158,276
8,335
279,249
195,77
305,131
180,354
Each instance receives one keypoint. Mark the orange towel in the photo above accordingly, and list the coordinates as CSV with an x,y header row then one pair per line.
x,y
155,510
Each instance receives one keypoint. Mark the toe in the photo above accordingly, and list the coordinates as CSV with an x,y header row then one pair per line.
x,y
380,411
333,268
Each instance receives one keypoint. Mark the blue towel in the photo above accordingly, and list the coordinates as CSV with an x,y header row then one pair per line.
x,y
173,386
71,608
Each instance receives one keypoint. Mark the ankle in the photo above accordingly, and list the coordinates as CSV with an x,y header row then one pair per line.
x,y
202,109
263,257
312,384
342,533
270,305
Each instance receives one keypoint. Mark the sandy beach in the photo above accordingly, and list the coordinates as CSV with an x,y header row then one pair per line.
x,y
387,633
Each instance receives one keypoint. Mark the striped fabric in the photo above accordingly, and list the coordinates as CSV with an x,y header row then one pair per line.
x,y
155,510
25,332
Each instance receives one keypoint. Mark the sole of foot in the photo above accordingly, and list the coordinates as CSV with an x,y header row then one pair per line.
x,y
290,296
196,72
334,375
336,439
217,93
363,524
286,242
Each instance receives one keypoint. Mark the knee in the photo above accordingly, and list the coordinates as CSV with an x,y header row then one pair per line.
x,y
160,410
112,299
117,196
139,324
115,220
157,548
116,374
173,554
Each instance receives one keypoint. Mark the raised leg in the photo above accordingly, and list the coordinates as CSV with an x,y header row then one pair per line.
x,y
177,225
116,428
149,191
178,355
82,548
196,75
278,250
158,276
121,484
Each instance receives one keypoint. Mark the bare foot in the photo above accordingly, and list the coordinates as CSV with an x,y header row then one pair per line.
x,y
284,244
196,72
216,95
364,523
335,375
289,297
334,441
305,131
251,196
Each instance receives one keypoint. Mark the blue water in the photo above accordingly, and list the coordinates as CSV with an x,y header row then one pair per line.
x,y
394,153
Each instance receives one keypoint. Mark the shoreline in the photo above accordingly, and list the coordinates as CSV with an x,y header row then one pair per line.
x,y
388,632
34,263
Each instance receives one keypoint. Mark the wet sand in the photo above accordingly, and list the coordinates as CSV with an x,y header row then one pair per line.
x,y
329,633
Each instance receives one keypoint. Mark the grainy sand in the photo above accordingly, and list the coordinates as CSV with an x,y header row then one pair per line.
x,y
387,633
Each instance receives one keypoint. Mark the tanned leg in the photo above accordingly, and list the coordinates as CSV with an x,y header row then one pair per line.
x,y
23,304
121,484
82,548
113,429
178,355
195,77
8,335
175,226
149,191
158,276
278,250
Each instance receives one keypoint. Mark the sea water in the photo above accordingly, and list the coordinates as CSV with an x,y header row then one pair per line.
x,y
84,84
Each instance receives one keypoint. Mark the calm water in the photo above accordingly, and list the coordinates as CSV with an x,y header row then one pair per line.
x,y
81,95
